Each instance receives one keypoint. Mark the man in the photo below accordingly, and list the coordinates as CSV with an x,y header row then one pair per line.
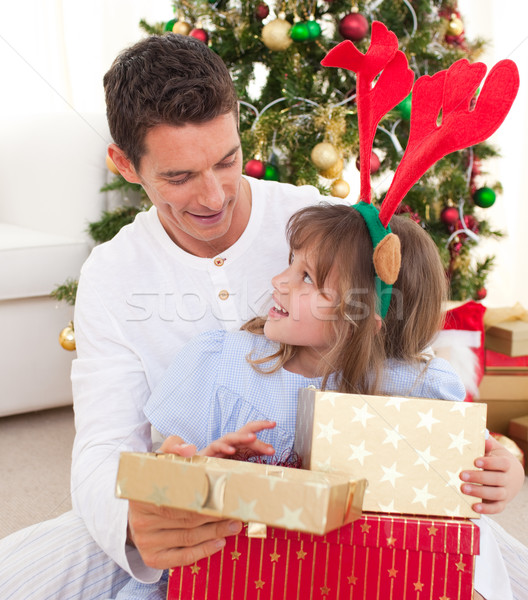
x,y
201,258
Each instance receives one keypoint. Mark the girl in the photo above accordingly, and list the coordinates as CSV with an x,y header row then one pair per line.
x,y
324,330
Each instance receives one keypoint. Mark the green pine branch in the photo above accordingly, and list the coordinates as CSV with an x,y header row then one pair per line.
x,y
66,292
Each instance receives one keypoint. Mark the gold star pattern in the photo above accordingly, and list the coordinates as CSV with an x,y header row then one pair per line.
x,y
235,555
301,554
259,584
392,572
418,586
195,569
423,456
325,590
158,496
444,598
460,565
291,519
365,528
274,557
352,579
390,541
432,530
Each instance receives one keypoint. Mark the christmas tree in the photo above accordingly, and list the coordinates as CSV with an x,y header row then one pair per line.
x,y
298,120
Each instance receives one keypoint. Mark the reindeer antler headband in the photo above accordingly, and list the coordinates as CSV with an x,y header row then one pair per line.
x,y
447,94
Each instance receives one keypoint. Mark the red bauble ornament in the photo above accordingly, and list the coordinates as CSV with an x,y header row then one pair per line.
x,y
456,40
449,216
405,209
471,223
200,34
374,163
455,248
255,168
351,93
262,11
353,27
481,293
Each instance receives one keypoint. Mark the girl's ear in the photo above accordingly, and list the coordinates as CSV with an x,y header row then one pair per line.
x,y
379,321
123,164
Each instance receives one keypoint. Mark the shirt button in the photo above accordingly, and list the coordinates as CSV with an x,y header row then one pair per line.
x,y
219,261
223,295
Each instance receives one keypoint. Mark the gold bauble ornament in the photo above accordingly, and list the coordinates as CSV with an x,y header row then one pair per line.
x,y
455,26
334,171
111,165
276,34
67,337
510,445
324,155
181,27
340,188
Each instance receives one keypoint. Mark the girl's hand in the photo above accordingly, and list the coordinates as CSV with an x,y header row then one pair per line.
x,y
500,480
245,439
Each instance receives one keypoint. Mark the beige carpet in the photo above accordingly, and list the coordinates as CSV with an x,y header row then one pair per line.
x,y
35,460
35,463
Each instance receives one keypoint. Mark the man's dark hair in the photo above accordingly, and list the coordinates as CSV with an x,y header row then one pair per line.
x,y
169,79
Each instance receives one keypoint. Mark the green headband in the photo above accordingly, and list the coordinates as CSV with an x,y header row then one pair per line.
x,y
377,232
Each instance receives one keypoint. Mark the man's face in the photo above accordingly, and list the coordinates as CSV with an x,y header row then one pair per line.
x,y
192,174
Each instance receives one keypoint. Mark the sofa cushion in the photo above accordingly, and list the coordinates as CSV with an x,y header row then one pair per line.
x,y
33,263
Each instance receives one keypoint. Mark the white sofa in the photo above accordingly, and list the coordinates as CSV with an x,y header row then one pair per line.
x,y
52,167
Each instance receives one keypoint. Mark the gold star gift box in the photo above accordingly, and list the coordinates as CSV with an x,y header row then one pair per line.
x,y
410,450
259,493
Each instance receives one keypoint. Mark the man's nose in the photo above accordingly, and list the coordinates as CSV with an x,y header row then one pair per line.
x,y
213,196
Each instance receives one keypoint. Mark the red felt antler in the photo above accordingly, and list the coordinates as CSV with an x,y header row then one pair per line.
x,y
450,93
393,85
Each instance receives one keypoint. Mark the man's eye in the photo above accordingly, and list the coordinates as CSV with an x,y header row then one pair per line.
x,y
307,278
179,181
230,163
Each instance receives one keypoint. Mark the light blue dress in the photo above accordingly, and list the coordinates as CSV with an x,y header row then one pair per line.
x,y
210,389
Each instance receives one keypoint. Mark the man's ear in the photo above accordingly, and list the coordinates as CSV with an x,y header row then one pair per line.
x,y
123,164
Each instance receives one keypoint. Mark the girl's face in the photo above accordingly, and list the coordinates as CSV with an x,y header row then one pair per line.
x,y
302,314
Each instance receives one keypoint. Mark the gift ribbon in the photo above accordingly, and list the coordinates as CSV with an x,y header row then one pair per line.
x,y
256,530
494,316
215,492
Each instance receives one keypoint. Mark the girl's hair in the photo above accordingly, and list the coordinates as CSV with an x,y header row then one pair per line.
x,y
417,309
339,239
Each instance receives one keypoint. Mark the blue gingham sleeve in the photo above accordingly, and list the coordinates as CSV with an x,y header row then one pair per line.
x,y
181,401
435,379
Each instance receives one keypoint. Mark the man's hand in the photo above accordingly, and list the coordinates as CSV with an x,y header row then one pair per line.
x,y
500,480
170,537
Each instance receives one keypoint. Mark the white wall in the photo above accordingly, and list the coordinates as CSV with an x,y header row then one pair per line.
x,y
54,53
504,25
